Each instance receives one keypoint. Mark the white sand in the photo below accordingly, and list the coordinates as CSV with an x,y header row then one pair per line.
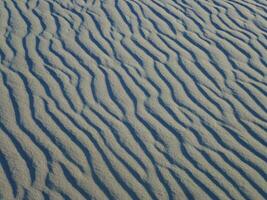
x,y
133,99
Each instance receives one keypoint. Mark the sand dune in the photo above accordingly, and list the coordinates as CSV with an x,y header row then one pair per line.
x,y
133,99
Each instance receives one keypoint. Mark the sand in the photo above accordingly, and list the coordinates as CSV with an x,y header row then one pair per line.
x,y
133,99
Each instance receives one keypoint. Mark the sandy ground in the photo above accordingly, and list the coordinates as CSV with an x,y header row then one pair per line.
x,y
133,99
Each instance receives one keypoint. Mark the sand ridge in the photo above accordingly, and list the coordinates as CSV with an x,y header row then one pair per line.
x,y
133,99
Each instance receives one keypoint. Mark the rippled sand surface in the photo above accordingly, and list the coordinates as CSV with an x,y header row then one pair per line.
x,y
133,99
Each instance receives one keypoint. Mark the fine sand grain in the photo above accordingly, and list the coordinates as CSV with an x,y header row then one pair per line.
x,y
133,99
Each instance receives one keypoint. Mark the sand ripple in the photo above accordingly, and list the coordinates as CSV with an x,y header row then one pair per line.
x,y
133,99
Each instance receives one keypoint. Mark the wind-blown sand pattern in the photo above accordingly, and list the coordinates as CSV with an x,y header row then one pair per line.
x,y
133,99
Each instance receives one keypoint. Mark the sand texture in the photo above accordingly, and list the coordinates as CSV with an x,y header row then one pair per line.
x,y
133,99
